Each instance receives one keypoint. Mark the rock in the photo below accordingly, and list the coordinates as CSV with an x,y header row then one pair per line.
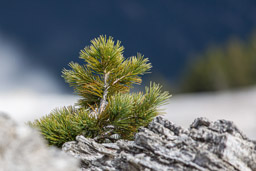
x,y
22,149
163,145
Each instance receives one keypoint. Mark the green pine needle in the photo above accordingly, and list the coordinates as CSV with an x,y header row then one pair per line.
x,y
64,125
103,57
106,111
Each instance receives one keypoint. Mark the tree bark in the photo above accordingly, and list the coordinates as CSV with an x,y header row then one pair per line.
x,y
103,101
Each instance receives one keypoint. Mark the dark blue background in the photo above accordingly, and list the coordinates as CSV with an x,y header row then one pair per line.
x,y
165,31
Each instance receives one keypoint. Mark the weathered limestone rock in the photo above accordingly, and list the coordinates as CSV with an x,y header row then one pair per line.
x,y
22,149
165,146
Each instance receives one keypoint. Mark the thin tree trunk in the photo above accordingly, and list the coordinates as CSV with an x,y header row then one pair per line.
x,y
103,101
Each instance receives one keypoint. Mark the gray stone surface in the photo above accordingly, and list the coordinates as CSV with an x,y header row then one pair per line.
x,y
165,146
22,149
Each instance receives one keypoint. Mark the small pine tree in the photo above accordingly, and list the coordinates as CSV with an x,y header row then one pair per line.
x,y
106,111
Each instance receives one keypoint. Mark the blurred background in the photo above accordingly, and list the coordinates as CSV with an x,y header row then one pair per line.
x,y
203,52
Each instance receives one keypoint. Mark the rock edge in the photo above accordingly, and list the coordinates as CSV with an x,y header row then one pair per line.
x,y
162,145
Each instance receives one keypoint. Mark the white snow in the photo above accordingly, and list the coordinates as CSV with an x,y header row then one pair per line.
x,y
237,106
24,107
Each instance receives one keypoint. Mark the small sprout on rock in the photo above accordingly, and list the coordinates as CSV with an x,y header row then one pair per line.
x,y
106,110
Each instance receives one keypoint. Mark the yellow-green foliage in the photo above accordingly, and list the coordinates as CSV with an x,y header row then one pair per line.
x,y
107,111
127,112
230,66
65,124
104,57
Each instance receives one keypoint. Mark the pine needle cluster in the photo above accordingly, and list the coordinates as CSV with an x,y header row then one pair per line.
x,y
106,110
64,124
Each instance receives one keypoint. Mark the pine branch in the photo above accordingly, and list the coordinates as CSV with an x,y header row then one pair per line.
x,y
127,112
64,124
105,73
106,111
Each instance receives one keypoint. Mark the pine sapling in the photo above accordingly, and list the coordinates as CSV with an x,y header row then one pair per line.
x,y
106,110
